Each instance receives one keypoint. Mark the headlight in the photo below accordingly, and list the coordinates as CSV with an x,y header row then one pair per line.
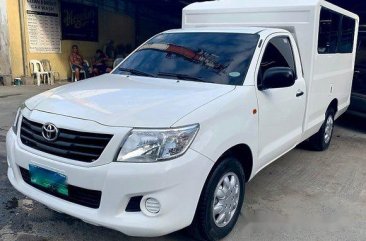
x,y
150,145
17,117
15,124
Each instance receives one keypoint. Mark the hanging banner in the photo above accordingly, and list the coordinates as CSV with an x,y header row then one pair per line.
x,y
79,22
44,30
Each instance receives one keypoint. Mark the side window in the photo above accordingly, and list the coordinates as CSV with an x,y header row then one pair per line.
x,y
278,53
347,36
329,31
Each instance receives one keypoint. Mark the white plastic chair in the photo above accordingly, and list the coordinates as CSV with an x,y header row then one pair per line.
x,y
36,70
82,71
117,61
48,68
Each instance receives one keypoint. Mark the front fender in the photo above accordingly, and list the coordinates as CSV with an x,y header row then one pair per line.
x,y
226,122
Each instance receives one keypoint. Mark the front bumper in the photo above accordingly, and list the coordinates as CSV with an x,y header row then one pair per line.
x,y
177,184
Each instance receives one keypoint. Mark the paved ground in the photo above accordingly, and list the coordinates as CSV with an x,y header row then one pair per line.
x,y
303,196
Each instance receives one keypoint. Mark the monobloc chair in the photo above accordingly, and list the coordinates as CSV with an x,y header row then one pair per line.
x,y
37,71
48,68
117,61
73,78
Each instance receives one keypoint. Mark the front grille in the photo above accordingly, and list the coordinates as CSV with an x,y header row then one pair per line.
x,y
75,145
78,195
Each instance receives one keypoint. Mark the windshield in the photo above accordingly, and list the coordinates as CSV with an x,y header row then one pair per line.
x,y
221,58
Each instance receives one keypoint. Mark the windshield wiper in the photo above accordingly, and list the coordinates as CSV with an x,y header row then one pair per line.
x,y
135,72
181,76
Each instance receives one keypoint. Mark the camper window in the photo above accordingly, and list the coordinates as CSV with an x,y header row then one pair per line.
x,y
336,33
328,31
347,36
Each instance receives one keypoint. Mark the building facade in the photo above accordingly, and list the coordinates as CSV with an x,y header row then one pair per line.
x,y
47,29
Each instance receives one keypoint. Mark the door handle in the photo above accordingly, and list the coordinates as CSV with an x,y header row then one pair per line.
x,y
299,93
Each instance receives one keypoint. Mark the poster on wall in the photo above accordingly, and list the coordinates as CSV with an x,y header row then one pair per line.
x,y
44,30
79,22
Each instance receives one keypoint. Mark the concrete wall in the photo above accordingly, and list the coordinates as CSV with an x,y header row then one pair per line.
x,y
5,67
112,26
15,46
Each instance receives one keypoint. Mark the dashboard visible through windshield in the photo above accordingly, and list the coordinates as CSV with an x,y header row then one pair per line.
x,y
221,58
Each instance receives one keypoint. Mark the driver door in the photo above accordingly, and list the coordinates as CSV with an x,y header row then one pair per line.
x,y
281,110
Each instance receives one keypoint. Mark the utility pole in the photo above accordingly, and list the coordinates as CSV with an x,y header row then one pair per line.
x,y
5,66
22,36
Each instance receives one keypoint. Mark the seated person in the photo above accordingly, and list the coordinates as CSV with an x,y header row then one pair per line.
x,y
99,63
77,63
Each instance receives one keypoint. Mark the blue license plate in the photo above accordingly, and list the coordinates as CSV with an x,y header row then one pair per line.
x,y
49,180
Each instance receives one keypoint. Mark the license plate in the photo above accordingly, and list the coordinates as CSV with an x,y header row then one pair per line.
x,y
49,180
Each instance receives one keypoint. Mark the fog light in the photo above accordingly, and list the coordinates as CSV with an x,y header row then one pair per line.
x,y
152,205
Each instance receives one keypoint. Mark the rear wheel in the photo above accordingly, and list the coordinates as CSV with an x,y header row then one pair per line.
x,y
220,202
321,140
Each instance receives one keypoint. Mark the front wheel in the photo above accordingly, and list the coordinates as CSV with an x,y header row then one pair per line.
x,y
220,202
321,140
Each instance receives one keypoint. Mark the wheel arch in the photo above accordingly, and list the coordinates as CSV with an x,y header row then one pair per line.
x,y
243,153
333,105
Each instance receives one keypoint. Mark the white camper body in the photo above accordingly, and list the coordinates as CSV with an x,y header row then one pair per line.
x,y
328,77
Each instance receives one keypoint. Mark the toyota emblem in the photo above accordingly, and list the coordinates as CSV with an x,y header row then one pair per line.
x,y
50,132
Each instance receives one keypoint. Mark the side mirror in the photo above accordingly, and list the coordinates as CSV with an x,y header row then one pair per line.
x,y
277,77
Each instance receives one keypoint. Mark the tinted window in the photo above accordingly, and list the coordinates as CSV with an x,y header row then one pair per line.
x,y
221,58
329,31
278,53
347,36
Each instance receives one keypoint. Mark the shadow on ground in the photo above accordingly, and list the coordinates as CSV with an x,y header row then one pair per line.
x,y
346,121
354,123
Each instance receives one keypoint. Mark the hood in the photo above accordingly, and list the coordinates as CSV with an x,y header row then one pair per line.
x,y
117,100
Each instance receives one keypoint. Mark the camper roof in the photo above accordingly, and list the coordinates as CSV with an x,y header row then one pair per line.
x,y
300,17
262,4
260,13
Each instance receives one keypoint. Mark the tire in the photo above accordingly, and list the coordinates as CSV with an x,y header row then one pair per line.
x,y
321,140
206,225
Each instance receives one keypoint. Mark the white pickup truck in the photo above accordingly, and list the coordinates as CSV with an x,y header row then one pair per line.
x,y
171,136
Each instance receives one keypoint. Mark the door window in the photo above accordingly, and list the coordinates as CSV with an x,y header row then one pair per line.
x,y
278,53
